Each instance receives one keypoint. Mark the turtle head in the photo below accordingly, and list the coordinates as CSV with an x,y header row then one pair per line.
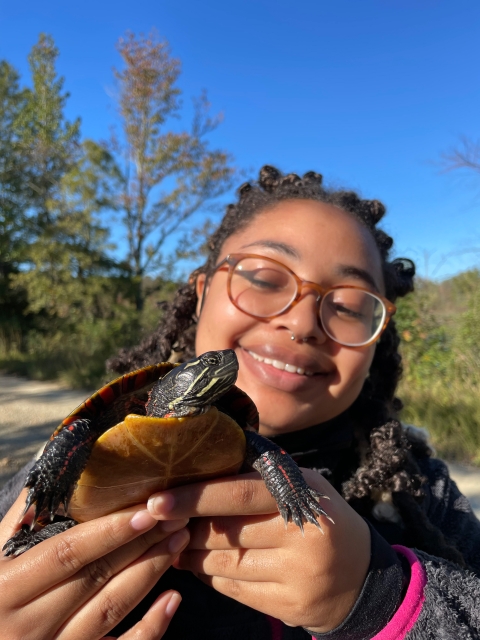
x,y
194,386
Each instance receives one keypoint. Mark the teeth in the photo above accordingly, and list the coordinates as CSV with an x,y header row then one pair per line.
x,y
283,366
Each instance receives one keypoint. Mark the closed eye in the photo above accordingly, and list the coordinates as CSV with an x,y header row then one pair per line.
x,y
259,282
345,311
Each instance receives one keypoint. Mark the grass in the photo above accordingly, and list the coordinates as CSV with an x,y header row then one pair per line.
x,y
77,359
451,414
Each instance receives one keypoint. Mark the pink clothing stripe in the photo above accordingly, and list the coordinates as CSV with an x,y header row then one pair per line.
x,y
408,612
275,627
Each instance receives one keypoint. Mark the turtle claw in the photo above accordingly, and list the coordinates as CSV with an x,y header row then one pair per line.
x,y
45,501
25,539
18,543
304,507
295,499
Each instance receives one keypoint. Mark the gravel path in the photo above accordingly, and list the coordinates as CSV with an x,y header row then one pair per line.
x,y
30,410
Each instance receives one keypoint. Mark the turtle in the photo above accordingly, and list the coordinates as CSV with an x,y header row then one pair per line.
x,y
155,428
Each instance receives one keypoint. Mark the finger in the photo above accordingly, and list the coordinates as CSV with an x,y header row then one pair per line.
x,y
257,595
123,592
155,622
61,557
248,565
65,598
249,532
91,579
244,494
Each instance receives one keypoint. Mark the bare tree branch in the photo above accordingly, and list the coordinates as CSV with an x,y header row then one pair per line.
x,y
464,156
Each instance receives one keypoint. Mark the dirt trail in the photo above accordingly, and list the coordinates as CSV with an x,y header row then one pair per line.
x,y
29,411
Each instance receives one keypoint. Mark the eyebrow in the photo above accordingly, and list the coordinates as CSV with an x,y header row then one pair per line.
x,y
356,272
343,270
281,247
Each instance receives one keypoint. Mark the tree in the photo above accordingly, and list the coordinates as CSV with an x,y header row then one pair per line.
x,y
50,143
12,186
166,176
425,342
464,156
68,185
12,203
68,259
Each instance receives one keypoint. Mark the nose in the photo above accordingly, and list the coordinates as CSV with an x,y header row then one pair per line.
x,y
302,320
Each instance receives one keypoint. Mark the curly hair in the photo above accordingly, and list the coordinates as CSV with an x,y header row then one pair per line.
x,y
384,467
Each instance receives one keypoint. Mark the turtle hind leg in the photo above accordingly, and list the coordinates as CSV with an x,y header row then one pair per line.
x,y
296,501
25,539
52,479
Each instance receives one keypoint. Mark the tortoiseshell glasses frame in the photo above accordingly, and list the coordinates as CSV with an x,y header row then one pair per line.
x,y
345,317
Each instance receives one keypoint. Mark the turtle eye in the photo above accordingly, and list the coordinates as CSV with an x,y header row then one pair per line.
x,y
210,360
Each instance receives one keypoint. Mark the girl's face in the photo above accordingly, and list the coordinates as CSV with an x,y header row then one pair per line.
x,y
322,244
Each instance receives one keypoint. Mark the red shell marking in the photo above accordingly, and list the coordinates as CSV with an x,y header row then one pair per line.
x,y
114,399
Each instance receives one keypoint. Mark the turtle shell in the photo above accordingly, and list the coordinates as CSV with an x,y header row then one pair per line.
x,y
137,455
124,395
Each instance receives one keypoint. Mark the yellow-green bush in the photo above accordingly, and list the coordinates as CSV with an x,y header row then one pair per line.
x,y
440,330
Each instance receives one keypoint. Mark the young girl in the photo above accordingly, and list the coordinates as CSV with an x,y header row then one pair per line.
x,y
299,283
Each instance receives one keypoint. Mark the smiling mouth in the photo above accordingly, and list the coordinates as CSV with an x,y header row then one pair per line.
x,y
282,366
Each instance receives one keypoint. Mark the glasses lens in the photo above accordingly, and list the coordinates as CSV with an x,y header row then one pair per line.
x,y
352,317
261,287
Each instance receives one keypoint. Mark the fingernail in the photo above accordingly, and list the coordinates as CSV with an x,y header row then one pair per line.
x,y
161,504
174,525
142,520
174,600
172,606
178,541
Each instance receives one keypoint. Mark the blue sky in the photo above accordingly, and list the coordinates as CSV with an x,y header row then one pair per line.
x,y
367,92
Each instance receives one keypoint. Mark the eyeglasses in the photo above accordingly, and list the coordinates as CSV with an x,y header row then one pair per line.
x,y
264,288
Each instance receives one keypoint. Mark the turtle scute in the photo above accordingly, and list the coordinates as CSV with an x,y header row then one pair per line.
x,y
142,455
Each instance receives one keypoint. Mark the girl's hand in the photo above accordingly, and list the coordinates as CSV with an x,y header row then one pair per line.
x,y
81,583
240,546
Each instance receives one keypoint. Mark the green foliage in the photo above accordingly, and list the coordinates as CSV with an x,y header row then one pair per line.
x,y
74,349
67,304
425,341
439,327
466,342
68,259
48,141
451,414
13,301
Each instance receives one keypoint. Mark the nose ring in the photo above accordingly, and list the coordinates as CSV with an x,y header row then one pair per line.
x,y
292,337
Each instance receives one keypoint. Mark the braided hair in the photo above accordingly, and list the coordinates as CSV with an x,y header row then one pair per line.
x,y
383,468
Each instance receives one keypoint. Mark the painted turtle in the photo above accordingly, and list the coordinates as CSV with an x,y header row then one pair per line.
x,y
107,454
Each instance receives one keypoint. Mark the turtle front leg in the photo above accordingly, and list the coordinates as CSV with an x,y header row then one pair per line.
x,y
296,501
53,478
